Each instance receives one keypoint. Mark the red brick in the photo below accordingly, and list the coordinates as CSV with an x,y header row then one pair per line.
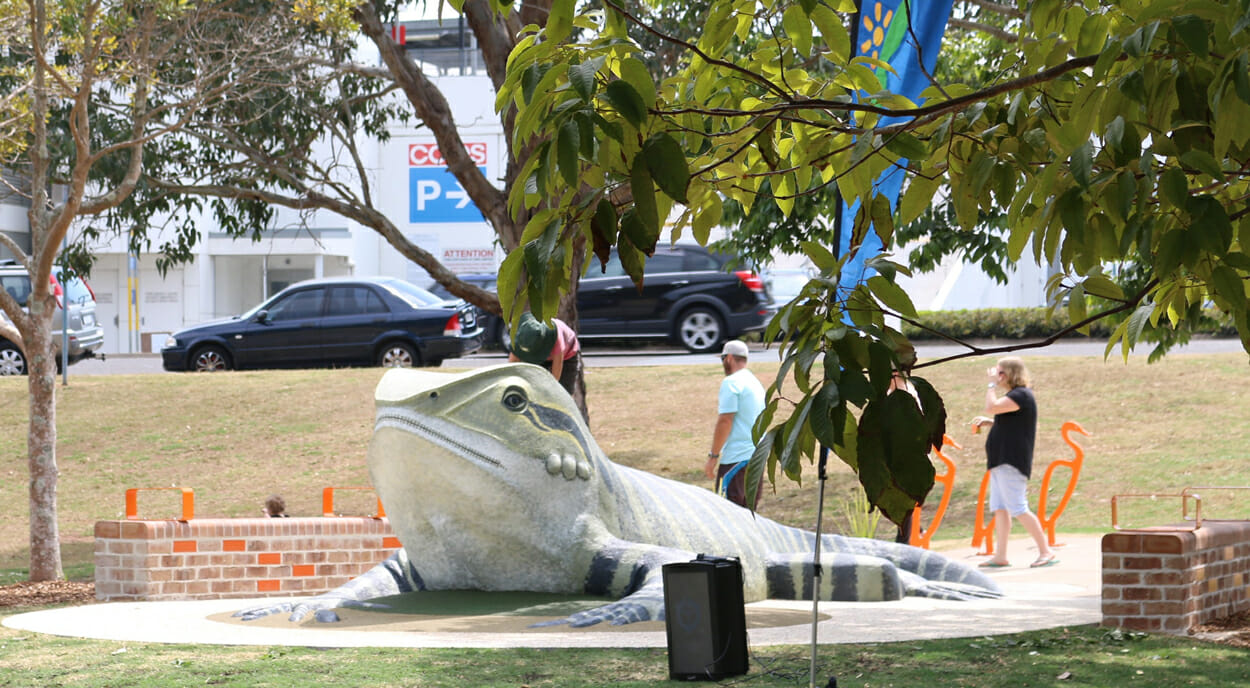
x,y
1121,609
305,570
1120,578
185,546
391,543
1138,623
1164,608
1141,594
108,529
1162,544
268,558
1123,543
1142,563
1166,578
268,586
234,545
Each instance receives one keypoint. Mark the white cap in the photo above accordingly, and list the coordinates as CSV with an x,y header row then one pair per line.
x,y
735,347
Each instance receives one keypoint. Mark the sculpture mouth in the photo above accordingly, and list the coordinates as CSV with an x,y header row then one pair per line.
x,y
414,424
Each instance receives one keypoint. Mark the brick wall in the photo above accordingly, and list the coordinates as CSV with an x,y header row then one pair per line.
x,y
238,557
1170,580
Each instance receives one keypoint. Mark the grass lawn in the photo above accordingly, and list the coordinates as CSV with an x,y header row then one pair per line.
x,y
237,437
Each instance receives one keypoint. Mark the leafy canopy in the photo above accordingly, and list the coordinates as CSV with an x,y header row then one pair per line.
x,y
1116,135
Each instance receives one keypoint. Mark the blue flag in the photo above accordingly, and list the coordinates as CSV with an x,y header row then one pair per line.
x,y
907,34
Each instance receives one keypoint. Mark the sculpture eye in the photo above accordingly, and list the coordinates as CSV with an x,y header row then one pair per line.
x,y
515,400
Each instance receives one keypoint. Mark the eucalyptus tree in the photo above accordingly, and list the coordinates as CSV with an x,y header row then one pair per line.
x,y
1115,132
90,87
299,146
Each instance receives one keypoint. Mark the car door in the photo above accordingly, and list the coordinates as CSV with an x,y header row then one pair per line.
x,y
355,317
599,296
646,311
286,333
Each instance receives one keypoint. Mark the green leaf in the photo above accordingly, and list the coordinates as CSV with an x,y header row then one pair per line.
x,y
567,144
906,146
1203,162
625,99
637,75
821,257
708,216
1228,285
907,446
917,198
604,227
1168,252
1194,32
582,78
762,458
1210,226
1092,36
880,366
833,32
1081,163
1076,306
883,219
1097,285
1174,187
644,203
821,419
559,20
667,163
632,259
799,28
892,296
933,409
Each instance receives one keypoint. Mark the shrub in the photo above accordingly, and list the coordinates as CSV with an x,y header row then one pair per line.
x,y
1030,323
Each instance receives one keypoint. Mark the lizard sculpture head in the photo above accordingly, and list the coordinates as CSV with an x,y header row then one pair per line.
x,y
476,468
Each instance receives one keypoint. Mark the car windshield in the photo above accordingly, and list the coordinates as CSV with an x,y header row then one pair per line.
x,y
787,284
411,294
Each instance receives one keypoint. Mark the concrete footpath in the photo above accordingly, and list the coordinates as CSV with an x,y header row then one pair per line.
x,y
1066,594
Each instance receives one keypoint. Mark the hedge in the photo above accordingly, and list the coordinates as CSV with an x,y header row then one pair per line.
x,y
1030,323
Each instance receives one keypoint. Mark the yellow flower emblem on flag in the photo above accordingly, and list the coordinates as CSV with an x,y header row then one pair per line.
x,y
875,26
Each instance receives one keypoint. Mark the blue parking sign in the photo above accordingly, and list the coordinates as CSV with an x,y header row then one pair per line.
x,y
435,195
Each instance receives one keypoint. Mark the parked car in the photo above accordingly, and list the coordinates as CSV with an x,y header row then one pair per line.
x,y
75,304
688,296
497,334
330,322
785,284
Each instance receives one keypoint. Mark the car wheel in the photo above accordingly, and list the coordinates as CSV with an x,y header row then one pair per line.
x,y
12,360
209,359
398,355
700,330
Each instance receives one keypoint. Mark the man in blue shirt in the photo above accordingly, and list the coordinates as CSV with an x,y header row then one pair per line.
x,y
740,402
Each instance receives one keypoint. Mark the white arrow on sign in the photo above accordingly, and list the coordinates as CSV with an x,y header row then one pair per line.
x,y
461,195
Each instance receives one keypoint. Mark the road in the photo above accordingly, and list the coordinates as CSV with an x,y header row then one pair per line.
x,y
597,356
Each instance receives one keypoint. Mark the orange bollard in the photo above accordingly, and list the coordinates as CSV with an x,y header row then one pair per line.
x,y
921,539
1048,520
981,528
327,501
132,502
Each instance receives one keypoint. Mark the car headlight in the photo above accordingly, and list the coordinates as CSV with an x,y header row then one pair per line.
x,y
171,342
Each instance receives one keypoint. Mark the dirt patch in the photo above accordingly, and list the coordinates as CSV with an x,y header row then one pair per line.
x,y
28,594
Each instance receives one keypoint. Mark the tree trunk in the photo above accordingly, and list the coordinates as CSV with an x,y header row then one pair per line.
x,y
45,547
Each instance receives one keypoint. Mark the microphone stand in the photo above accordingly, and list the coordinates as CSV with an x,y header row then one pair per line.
x,y
816,571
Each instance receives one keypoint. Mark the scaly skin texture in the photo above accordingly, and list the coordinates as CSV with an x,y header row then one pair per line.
x,y
492,482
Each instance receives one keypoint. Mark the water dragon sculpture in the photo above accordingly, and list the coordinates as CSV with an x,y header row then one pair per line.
x,y
492,481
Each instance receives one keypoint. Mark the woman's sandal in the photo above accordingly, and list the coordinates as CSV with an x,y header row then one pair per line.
x,y
991,564
1044,561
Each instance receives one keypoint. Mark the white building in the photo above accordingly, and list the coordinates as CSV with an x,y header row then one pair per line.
x,y
139,308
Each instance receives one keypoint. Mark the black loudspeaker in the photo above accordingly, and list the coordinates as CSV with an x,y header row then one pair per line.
x,y
705,619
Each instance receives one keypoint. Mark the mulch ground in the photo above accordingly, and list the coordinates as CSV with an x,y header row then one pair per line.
x,y
28,594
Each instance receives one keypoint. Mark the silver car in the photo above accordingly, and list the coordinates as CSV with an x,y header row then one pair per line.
x,y
74,299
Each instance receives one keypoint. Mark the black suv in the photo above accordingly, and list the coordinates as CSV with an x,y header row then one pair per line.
x,y
688,296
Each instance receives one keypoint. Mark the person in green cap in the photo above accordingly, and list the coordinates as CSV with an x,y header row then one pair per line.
x,y
554,347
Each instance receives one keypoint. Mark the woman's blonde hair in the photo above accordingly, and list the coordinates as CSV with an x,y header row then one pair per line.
x,y
1014,372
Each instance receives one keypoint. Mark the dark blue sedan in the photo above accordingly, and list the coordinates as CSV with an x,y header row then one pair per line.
x,y
333,322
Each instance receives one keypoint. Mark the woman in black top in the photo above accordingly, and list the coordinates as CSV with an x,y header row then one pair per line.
x,y
1009,457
